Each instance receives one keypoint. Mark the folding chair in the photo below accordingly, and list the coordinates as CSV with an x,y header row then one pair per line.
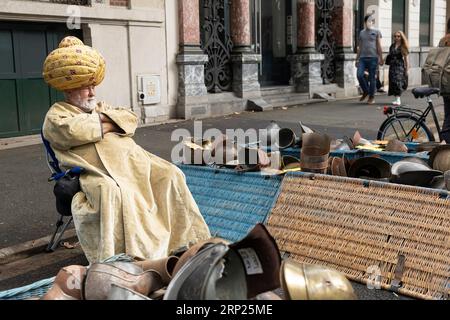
x,y
56,175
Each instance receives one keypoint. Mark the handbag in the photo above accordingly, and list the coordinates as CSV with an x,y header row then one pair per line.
x,y
405,83
64,190
388,60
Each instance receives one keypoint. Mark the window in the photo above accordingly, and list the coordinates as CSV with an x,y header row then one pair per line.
x,y
398,16
425,22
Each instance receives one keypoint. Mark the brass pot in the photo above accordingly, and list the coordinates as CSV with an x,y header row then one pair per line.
x,y
314,282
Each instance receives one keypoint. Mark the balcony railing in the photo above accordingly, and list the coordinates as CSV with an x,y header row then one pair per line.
x,y
71,2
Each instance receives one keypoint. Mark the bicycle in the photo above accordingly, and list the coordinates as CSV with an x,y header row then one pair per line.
x,y
408,124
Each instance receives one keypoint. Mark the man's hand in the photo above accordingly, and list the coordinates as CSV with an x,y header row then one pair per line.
x,y
380,61
104,118
108,125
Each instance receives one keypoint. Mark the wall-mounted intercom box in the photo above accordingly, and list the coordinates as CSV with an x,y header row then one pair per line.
x,y
149,87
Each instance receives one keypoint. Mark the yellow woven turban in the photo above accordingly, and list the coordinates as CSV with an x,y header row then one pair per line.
x,y
73,65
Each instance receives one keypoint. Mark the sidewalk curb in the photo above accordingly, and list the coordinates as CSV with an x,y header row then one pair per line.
x,y
26,249
25,141
20,141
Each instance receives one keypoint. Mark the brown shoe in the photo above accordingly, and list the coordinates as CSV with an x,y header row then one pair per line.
x,y
371,100
363,97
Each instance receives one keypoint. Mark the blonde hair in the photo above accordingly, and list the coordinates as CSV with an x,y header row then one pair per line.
x,y
404,43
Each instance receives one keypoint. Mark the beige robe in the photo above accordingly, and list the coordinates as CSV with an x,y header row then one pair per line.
x,y
131,201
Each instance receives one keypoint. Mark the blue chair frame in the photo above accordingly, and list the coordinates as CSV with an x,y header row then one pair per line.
x,y
56,174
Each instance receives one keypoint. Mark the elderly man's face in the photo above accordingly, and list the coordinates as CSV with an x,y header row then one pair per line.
x,y
83,98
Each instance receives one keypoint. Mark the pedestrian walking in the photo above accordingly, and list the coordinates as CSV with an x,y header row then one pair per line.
x,y
398,61
369,56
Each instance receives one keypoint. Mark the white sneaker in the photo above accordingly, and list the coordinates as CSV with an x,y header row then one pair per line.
x,y
397,102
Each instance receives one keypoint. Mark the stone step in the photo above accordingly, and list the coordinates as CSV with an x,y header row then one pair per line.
x,y
224,96
286,98
327,88
296,102
277,90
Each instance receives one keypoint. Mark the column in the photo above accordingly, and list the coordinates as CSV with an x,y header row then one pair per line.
x,y
240,25
306,22
245,62
342,18
306,64
192,95
413,34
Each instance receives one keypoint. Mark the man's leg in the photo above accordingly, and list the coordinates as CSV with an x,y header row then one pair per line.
x,y
379,84
446,126
362,79
176,205
97,216
372,67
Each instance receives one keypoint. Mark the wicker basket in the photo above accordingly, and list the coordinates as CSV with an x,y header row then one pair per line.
x,y
364,227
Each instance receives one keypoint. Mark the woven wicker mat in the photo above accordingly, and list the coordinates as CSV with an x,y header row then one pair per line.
x,y
231,203
375,233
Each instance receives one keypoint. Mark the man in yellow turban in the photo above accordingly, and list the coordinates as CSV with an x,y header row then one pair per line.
x,y
131,201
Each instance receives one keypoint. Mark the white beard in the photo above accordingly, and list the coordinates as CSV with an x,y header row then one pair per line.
x,y
87,105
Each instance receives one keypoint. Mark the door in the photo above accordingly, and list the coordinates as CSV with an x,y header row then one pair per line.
x,y
274,37
25,96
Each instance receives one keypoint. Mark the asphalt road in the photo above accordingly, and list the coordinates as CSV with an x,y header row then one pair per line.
x,y
27,205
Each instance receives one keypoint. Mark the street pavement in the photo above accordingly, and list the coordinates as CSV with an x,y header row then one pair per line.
x,y
27,204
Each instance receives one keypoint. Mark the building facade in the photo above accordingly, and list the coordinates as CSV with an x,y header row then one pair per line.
x,y
138,39
189,59
278,52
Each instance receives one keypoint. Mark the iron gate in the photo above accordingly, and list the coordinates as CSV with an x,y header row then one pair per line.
x,y
216,43
325,41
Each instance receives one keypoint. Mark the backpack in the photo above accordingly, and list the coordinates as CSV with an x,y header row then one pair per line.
x,y
436,70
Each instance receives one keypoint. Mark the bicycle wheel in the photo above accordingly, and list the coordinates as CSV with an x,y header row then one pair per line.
x,y
400,127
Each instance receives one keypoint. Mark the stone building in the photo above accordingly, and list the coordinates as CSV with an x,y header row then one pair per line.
x,y
280,52
138,39
262,54
188,59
